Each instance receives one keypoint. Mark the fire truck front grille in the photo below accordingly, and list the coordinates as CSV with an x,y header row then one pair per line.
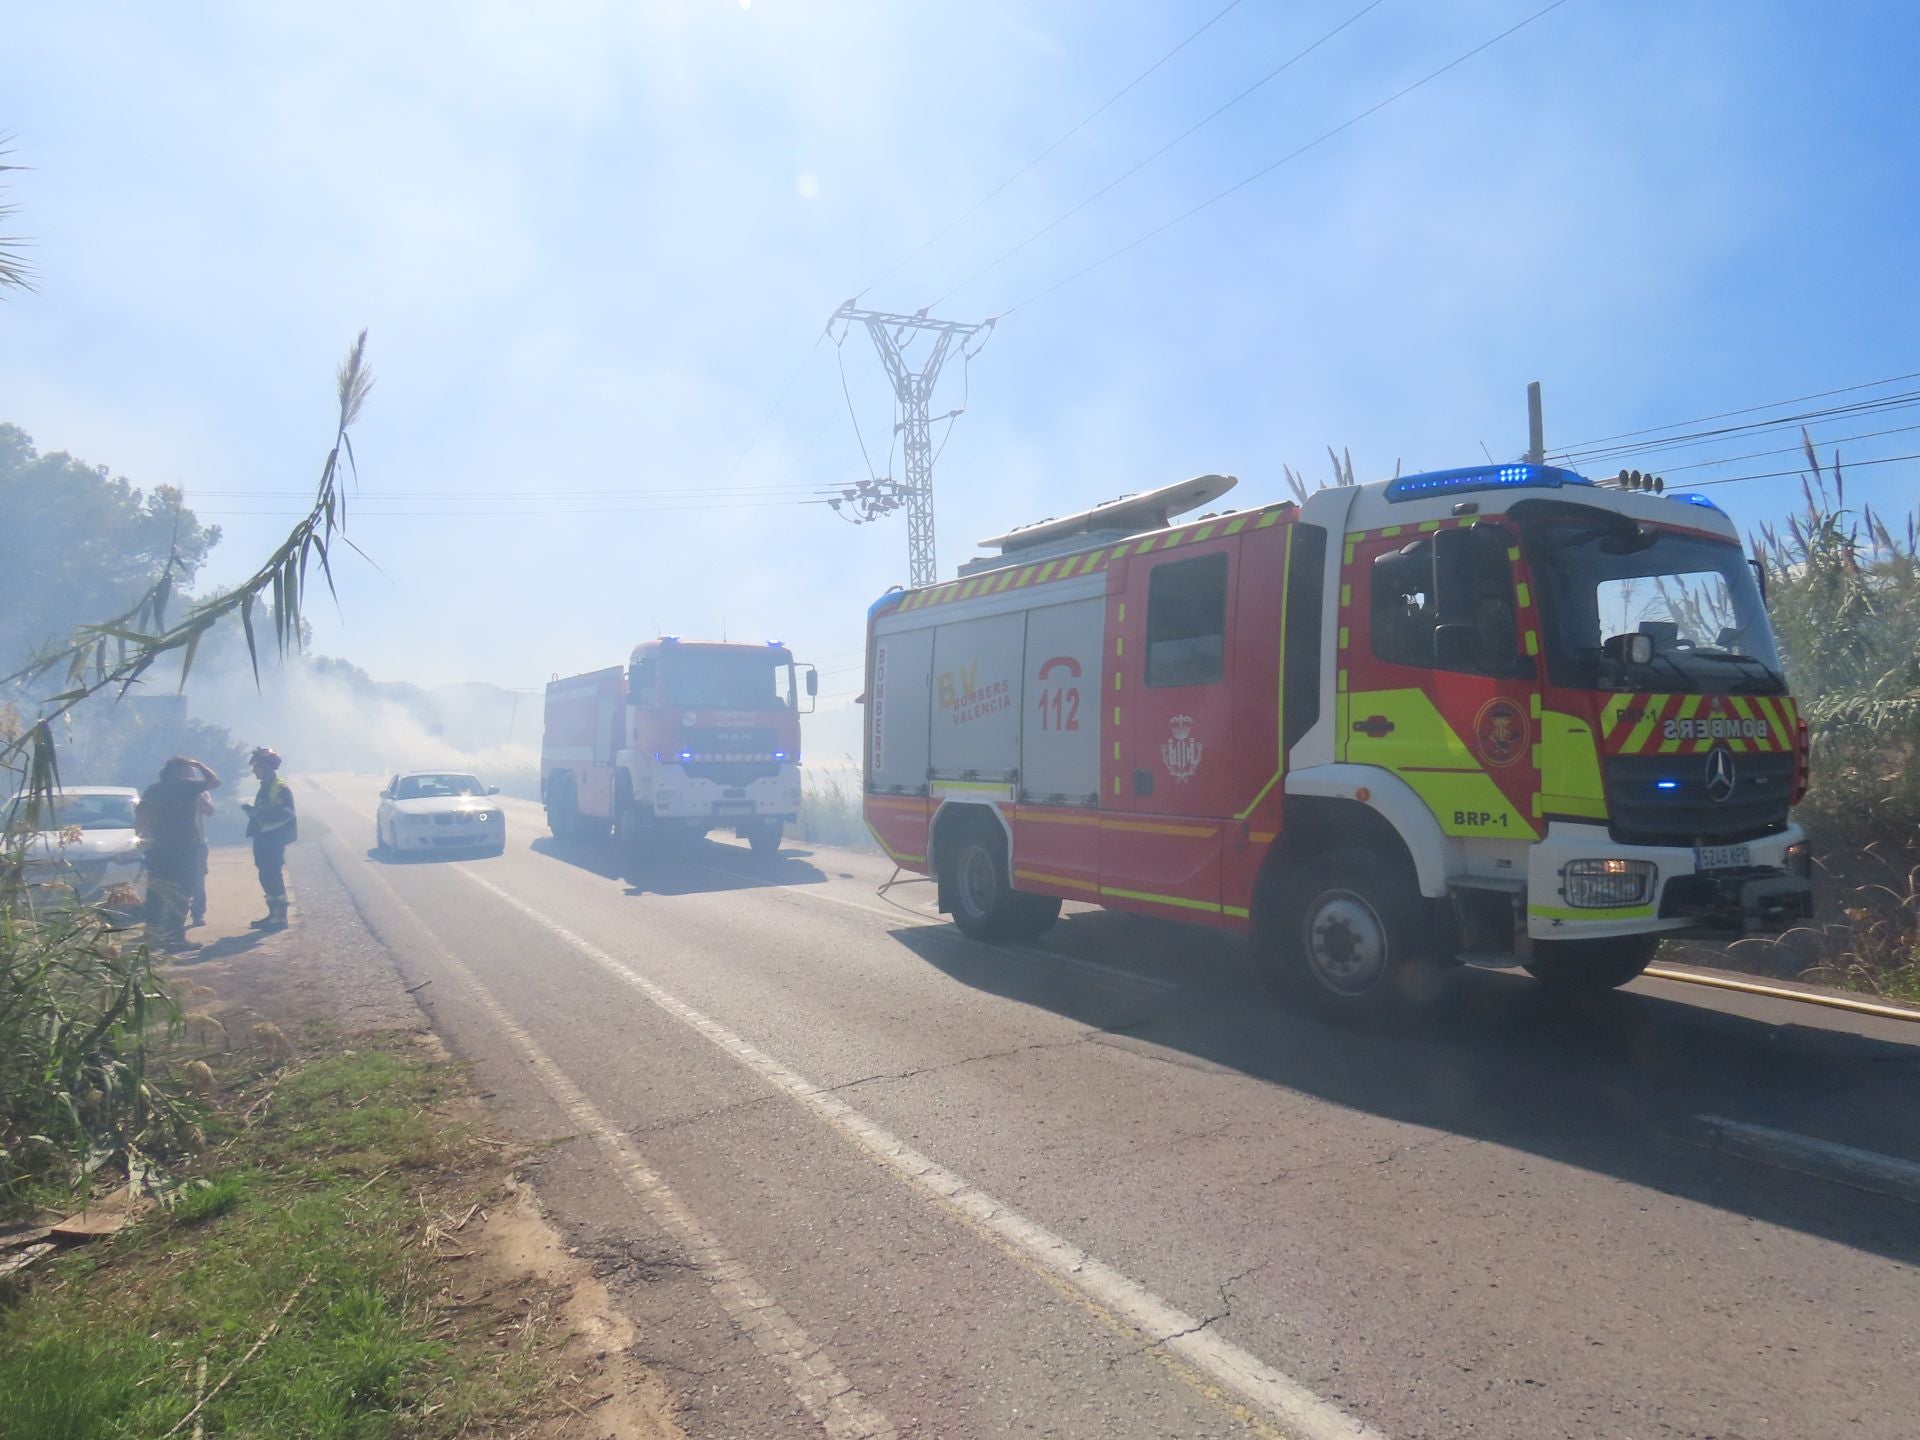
x,y
1666,800
732,755
731,772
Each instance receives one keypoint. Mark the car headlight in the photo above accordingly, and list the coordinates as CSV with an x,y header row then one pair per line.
x,y
1606,884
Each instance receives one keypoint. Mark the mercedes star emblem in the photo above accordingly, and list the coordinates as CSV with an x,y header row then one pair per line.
x,y
1720,774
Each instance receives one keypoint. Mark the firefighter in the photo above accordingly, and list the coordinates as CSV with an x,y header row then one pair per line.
x,y
167,821
197,904
271,826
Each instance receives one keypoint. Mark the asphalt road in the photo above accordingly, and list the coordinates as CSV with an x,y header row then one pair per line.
x,y
852,1174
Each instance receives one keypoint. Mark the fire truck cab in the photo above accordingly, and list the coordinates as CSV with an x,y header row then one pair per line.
x,y
1498,716
686,738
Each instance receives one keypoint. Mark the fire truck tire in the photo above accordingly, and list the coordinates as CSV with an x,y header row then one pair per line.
x,y
1589,967
764,838
985,904
1349,938
560,809
630,831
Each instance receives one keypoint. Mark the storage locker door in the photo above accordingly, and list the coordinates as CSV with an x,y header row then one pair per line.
x,y
898,704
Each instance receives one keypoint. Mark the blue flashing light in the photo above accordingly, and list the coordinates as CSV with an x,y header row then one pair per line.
x,y
669,639
779,754
1666,784
775,645
1517,476
686,754
1691,498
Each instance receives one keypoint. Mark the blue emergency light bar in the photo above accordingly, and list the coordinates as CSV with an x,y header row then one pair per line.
x,y
1692,499
1517,476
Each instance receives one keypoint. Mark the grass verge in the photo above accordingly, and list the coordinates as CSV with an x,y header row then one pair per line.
x,y
299,1286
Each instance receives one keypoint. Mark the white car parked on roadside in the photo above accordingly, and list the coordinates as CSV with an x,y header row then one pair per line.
x,y
87,846
441,811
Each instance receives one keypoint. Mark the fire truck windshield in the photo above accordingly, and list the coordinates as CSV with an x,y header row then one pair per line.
x,y
1695,597
728,679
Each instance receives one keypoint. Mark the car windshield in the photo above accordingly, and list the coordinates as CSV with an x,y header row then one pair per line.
x,y
729,679
1694,596
89,812
433,787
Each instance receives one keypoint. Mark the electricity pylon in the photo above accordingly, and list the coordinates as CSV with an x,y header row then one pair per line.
x,y
912,389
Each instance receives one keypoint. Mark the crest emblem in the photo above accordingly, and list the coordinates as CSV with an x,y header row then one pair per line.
x,y
1721,776
1181,750
1502,732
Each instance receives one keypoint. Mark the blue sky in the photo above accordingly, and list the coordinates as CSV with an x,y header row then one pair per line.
x,y
593,241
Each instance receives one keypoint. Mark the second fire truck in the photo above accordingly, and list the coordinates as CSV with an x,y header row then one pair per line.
x,y
1498,715
687,737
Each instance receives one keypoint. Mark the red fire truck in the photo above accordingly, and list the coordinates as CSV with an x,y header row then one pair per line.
x,y
1498,716
687,738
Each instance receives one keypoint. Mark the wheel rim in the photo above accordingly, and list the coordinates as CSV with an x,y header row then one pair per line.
x,y
979,885
1346,945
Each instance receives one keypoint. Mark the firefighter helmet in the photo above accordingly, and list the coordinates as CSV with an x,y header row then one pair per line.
x,y
265,755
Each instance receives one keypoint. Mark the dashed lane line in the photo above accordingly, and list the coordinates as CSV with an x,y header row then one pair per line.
x,y
1266,1390
816,1382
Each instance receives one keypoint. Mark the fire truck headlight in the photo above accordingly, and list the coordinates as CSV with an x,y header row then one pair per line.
x,y
1607,884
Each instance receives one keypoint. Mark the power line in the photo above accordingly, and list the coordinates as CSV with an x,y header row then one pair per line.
x,y
1800,470
1286,159
1786,450
1136,168
1082,124
1904,400
1747,410
820,497
772,410
639,492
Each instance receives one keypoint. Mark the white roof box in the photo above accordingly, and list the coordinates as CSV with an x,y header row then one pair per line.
x,y
1105,523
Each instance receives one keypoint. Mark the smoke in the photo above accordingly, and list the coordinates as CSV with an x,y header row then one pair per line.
x,y
323,715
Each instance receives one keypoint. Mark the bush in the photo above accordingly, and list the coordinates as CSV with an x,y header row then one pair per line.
x,y
830,813
1845,600
77,1008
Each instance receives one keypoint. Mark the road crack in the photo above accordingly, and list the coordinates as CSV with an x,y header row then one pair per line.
x,y
919,1070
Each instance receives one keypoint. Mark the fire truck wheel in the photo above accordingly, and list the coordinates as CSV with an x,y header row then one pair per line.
x,y
1349,938
764,837
985,904
630,831
1588,967
560,809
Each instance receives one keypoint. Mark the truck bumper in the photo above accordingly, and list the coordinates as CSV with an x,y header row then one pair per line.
x,y
679,796
1770,891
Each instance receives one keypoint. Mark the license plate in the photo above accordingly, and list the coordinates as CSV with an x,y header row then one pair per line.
x,y
1722,857
733,807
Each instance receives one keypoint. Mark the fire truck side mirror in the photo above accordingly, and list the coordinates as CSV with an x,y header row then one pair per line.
x,y
813,683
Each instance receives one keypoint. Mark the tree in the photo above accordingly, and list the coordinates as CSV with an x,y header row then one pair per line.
x,y
81,542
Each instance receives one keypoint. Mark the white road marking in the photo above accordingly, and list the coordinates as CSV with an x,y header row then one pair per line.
x,y
1822,1159
815,1381
1265,1388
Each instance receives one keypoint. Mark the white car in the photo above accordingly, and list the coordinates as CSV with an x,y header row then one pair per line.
x,y
87,846
441,811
